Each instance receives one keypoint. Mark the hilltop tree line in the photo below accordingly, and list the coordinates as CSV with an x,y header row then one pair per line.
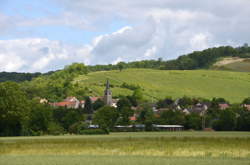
x,y
21,116
195,60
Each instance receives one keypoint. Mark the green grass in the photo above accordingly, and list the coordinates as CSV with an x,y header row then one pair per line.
x,y
117,160
189,148
233,86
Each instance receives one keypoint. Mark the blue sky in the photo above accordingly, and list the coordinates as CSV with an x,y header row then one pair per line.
x,y
109,31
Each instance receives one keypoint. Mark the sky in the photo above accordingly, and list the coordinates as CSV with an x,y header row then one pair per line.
x,y
46,35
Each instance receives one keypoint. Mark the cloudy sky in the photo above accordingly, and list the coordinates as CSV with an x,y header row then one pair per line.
x,y
44,35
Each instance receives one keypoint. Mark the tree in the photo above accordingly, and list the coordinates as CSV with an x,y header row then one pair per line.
x,y
121,65
98,104
76,68
14,109
123,102
165,103
185,102
193,121
172,117
146,116
106,117
246,101
40,117
226,121
137,94
88,108
71,117
125,113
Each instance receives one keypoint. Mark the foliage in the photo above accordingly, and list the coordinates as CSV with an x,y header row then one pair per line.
x,y
57,85
165,103
195,60
98,104
246,101
40,118
55,129
88,107
93,132
193,121
226,121
71,117
78,127
172,117
17,77
106,117
14,109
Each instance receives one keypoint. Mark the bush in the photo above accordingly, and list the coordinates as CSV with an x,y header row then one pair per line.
x,y
76,128
55,129
93,132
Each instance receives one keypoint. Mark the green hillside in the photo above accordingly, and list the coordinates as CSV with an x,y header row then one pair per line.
x,y
233,86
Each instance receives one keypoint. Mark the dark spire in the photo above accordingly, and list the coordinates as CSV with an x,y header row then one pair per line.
x,y
107,84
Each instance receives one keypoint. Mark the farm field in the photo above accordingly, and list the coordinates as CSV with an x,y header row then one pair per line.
x,y
129,148
233,64
157,84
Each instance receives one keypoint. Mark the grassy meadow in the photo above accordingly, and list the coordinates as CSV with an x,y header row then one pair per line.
x,y
157,84
129,148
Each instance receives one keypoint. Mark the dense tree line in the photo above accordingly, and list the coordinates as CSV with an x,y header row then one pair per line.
x,y
17,77
195,60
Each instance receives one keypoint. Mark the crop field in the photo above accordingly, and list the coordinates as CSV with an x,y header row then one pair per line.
x,y
189,148
157,84
233,64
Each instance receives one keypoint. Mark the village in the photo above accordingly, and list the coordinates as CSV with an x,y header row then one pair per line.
x,y
198,107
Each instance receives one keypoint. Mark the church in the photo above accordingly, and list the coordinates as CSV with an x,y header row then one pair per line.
x,y
107,98
73,102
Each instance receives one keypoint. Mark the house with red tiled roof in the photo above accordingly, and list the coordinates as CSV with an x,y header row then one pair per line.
x,y
223,106
69,102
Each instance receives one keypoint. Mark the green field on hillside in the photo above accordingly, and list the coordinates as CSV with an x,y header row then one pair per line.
x,y
233,64
208,148
243,66
157,84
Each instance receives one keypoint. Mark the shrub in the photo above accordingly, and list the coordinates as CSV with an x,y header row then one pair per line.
x,y
55,129
93,132
76,128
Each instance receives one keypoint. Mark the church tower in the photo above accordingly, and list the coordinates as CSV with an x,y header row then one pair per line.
x,y
107,94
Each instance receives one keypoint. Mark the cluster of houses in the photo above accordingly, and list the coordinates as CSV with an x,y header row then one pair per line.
x,y
199,108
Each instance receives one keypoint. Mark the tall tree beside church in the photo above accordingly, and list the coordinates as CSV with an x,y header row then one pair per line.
x,y
88,108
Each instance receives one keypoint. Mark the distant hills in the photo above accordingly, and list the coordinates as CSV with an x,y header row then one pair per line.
x,y
198,74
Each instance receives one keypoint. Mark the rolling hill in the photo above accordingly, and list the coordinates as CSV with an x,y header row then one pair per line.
x,y
157,84
233,64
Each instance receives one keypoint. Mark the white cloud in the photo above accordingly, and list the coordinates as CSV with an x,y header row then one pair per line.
x,y
38,54
199,41
150,52
159,28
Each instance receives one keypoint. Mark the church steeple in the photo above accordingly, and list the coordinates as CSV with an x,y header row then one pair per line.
x,y
107,94
107,84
